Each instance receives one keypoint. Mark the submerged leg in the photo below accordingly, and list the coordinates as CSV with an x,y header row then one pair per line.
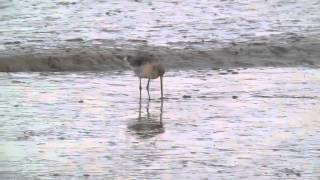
x,y
140,107
161,110
148,89
147,108
161,84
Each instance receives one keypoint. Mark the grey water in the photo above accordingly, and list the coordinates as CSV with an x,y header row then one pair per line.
x,y
256,123
33,25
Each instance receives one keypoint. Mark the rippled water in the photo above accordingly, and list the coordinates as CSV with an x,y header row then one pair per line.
x,y
241,123
51,24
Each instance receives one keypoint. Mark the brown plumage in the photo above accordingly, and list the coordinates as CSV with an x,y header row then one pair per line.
x,y
147,66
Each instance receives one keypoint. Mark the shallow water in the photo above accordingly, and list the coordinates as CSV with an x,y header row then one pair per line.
x,y
46,25
241,123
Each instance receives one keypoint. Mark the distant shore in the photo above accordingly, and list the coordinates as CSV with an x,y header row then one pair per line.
x,y
273,52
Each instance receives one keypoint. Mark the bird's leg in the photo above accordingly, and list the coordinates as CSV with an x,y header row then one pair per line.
x,y
148,89
161,110
140,87
140,108
161,84
147,108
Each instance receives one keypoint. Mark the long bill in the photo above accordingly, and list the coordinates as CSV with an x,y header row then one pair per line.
x,y
140,87
161,84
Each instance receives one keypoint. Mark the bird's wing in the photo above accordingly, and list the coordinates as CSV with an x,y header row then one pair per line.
x,y
141,59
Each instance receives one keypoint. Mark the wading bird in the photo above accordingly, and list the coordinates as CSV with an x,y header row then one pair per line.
x,y
147,66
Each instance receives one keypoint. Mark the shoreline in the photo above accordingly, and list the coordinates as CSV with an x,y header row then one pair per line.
x,y
276,52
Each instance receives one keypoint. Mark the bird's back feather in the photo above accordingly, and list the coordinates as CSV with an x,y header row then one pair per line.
x,y
141,59
146,65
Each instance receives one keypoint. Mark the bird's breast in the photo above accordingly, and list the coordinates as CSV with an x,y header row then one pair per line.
x,y
147,71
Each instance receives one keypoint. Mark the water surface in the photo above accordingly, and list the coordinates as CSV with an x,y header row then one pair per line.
x,y
240,123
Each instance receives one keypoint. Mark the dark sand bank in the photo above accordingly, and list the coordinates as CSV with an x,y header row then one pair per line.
x,y
294,51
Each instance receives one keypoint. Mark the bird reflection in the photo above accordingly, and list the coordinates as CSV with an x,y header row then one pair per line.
x,y
147,126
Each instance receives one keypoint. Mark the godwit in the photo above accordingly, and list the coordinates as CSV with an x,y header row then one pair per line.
x,y
147,66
